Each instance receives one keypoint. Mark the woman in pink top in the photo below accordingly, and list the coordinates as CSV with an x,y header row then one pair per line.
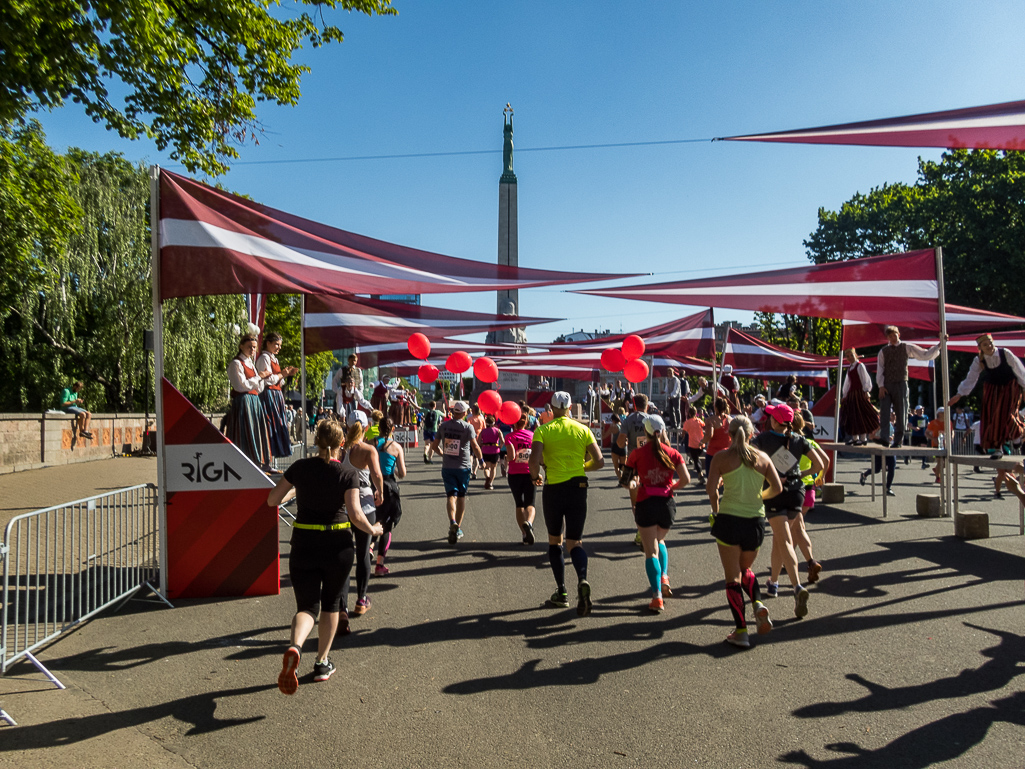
x,y
490,440
517,447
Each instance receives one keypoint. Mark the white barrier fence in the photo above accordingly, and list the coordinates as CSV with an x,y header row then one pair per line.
x,y
67,563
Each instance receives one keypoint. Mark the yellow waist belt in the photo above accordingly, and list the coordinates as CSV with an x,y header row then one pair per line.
x,y
322,526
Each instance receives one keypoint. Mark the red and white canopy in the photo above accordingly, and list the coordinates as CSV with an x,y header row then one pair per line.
x,y
960,320
755,358
333,323
899,287
995,127
213,242
693,335
1012,340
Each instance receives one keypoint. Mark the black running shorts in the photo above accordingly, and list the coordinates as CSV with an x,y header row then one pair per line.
x,y
566,503
523,489
732,530
656,511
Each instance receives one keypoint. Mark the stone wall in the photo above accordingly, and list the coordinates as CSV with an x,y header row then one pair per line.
x,y
30,441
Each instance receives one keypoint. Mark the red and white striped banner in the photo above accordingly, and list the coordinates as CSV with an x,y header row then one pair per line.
x,y
995,127
212,242
334,323
899,287
757,359
960,320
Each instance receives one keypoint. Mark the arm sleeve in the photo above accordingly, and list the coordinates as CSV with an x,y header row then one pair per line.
x,y
972,379
1016,367
262,365
879,369
866,380
237,377
846,384
916,352
697,395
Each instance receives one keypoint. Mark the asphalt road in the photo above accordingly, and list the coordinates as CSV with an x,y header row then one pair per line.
x,y
911,655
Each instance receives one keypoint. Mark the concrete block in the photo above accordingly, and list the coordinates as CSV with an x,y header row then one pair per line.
x,y
928,505
831,493
969,524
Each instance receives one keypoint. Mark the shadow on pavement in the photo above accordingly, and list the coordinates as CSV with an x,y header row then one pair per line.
x,y
198,710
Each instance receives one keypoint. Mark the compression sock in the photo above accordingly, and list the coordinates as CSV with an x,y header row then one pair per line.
x,y
663,557
558,561
579,557
654,570
749,582
735,598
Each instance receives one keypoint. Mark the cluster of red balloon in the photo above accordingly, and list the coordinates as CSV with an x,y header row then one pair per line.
x,y
459,362
627,359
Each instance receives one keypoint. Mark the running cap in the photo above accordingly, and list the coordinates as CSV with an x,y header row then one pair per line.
x,y
782,413
653,424
919,408
561,400
760,397
354,417
727,369
459,407
940,410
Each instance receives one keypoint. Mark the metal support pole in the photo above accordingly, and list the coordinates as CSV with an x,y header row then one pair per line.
x,y
945,371
158,369
302,367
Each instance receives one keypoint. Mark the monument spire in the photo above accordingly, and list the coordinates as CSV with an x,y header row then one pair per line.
x,y
508,247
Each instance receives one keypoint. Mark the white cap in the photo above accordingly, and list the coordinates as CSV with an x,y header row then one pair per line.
x,y
354,417
561,400
459,407
653,424
940,410
727,369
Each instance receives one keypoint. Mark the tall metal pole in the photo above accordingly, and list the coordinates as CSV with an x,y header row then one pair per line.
x,y
839,378
158,367
715,352
302,366
947,466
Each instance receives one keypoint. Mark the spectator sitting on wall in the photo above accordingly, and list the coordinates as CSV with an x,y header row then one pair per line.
x,y
72,404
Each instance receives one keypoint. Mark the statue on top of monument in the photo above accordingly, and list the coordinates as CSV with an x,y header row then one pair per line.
x,y
513,335
507,148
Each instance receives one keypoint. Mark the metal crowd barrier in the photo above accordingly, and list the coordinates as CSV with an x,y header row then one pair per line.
x,y
65,564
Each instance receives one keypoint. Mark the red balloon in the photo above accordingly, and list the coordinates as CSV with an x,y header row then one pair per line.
x,y
633,347
428,373
458,362
419,346
489,401
485,369
612,360
509,412
636,371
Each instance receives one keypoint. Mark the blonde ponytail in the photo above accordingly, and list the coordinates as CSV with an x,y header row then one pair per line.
x,y
741,430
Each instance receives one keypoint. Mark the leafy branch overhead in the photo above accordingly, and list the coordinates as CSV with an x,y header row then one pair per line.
x,y
187,73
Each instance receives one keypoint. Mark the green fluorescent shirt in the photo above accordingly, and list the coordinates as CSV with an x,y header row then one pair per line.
x,y
565,444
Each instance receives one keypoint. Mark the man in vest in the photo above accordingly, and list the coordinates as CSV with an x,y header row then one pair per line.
x,y
892,378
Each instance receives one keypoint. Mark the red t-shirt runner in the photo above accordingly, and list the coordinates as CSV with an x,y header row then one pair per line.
x,y
654,478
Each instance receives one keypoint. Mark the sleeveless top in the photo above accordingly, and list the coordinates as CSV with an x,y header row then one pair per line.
x,y
895,364
366,491
742,495
387,460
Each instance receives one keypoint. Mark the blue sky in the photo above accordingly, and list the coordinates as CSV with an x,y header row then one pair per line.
x,y
436,77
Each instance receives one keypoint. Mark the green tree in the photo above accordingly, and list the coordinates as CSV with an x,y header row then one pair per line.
x,y
37,211
187,74
283,316
84,314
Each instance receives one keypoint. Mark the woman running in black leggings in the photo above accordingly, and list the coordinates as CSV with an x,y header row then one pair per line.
x,y
322,548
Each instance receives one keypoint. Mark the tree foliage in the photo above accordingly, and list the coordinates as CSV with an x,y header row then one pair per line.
x,y
83,315
283,311
186,73
37,211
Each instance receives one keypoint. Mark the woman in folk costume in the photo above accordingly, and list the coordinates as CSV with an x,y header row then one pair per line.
x,y
272,399
858,417
1003,379
247,424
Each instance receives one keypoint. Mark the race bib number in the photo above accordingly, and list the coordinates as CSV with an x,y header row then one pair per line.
x,y
523,456
783,461
452,447
641,440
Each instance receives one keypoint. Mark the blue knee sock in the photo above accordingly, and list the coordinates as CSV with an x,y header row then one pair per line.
x,y
663,557
579,558
651,565
558,561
